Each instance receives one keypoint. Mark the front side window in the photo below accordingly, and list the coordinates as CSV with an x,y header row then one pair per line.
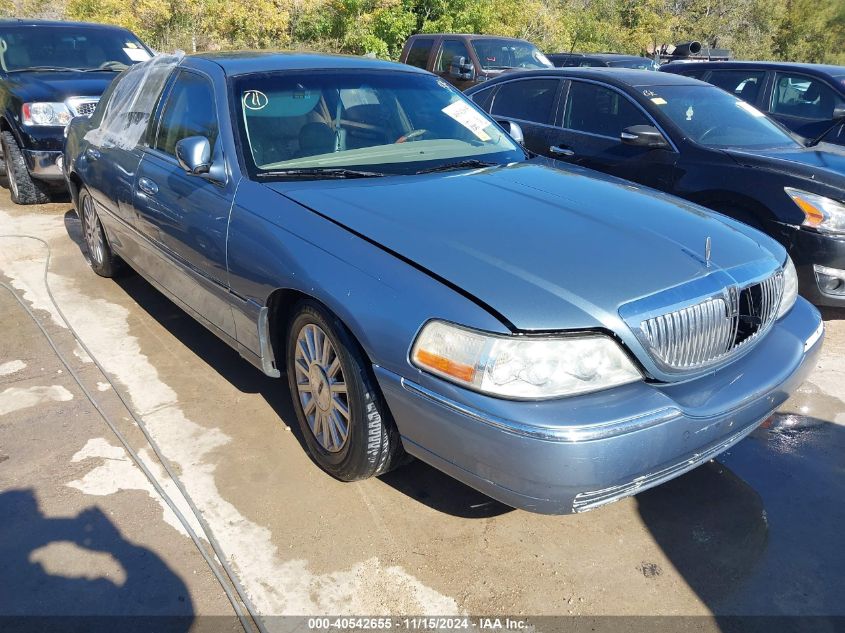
x,y
63,48
712,117
598,110
189,111
498,54
389,122
449,51
528,100
804,97
745,84
420,50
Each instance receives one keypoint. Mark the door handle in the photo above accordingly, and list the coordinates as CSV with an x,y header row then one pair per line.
x,y
557,150
147,186
92,153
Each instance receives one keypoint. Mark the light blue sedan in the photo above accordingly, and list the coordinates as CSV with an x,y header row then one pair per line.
x,y
555,338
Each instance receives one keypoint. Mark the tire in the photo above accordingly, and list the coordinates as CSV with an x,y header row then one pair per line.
x,y
23,187
99,254
339,373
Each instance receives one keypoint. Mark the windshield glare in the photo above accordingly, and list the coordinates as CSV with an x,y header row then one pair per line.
x,y
68,47
496,54
388,122
712,117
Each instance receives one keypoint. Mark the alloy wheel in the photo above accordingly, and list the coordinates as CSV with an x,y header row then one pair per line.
x,y
93,231
321,388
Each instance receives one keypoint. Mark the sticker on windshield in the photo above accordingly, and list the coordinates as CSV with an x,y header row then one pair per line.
x,y
658,100
749,108
136,54
255,100
690,113
464,114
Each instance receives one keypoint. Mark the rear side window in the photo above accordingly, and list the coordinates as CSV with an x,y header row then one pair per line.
x,y
696,73
745,84
804,97
528,100
450,50
599,110
420,50
189,111
482,98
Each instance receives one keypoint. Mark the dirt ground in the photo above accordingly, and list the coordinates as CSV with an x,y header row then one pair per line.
x,y
758,531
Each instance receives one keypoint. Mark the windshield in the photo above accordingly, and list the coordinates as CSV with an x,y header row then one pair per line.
x,y
68,47
642,63
712,117
385,122
497,53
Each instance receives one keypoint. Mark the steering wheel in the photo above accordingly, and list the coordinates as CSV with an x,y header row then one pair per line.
x,y
707,132
410,136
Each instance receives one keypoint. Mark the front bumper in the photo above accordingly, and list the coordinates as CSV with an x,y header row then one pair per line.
x,y
810,250
574,454
44,164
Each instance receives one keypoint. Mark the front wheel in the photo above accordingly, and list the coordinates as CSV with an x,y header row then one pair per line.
x,y
24,188
101,258
346,425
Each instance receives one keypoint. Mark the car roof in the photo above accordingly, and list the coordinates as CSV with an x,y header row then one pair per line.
x,y
607,56
469,36
823,69
241,62
621,77
59,23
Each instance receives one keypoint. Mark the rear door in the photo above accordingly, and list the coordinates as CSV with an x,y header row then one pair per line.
x,y
593,117
533,103
184,216
805,105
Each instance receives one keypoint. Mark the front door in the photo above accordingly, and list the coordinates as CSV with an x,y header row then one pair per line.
x,y
533,104
182,215
805,105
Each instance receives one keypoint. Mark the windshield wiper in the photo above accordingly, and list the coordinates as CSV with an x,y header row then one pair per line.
x,y
470,163
46,69
320,172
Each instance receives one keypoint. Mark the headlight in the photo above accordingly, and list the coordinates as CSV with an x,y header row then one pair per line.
x,y
522,366
43,113
824,214
790,287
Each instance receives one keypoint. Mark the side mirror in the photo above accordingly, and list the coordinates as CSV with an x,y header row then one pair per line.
x,y
461,69
194,154
513,129
839,112
643,136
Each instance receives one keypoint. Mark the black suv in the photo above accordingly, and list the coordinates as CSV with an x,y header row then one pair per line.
x,y
51,72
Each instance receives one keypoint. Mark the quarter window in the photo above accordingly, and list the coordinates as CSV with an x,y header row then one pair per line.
x,y
450,49
420,50
745,84
804,97
599,110
528,100
189,112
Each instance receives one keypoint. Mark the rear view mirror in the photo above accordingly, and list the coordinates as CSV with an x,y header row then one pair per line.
x,y
643,136
513,129
461,69
194,154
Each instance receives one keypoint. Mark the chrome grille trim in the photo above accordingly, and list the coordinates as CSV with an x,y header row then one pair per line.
x,y
82,106
712,330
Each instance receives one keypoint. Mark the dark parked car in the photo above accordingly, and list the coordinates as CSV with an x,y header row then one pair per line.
x,y
691,139
49,73
599,60
542,335
809,99
465,60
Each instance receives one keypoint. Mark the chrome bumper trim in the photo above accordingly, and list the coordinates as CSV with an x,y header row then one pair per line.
x,y
583,433
43,164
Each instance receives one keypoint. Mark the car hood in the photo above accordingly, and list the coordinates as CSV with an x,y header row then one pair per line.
x,y
548,249
58,86
825,162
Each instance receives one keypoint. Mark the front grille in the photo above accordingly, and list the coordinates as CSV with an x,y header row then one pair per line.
x,y
82,106
710,331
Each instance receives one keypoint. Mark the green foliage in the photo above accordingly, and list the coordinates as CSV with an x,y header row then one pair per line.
x,y
797,30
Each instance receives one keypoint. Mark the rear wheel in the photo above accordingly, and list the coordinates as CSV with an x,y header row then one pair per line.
x,y
24,188
343,418
101,258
